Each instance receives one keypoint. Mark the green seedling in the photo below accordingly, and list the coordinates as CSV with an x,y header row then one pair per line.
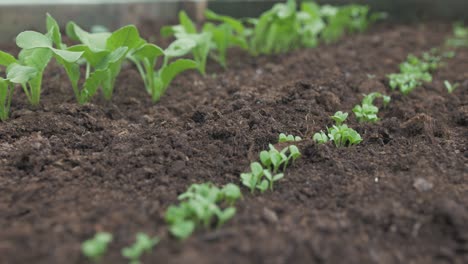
x,y
339,133
16,74
414,71
103,54
253,178
367,111
343,136
288,138
262,178
200,206
277,30
339,117
229,33
450,87
187,30
37,51
96,247
146,57
143,243
273,159
320,137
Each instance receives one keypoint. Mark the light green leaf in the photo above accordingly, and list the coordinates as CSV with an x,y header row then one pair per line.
x,y
32,39
127,36
37,58
69,56
6,59
175,68
180,47
148,51
53,27
17,73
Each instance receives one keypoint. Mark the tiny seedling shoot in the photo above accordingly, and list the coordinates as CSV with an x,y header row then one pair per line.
x,y
96,247
143,243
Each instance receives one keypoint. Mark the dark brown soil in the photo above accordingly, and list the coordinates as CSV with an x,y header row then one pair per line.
x,y
68,171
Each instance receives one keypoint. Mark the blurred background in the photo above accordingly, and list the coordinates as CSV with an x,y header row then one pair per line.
x,y
20,15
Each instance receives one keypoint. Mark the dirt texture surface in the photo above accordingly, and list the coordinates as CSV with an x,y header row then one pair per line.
x,y
401,196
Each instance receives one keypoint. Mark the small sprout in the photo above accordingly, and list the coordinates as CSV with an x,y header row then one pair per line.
x,y
450,87
288,138
271,179
367,112
96,247
343,136
199,206
143,244
320,138
339,117
231,193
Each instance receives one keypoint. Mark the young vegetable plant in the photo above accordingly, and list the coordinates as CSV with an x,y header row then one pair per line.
x,y
450,87
229,33
187,30
277,30
96,247
16,74
103,53
340,133
460,36
367,112
37,51
321,137
414,71
288,138
146,57
200,206
143,243
264,177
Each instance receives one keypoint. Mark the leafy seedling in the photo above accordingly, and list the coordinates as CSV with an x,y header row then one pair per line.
x,y
339,117
103,53
143,243
199,206
253,178
367,111
450,87
187,30
96,247
146,57
320,137
37,51
16,74
288,138
229,33
343,136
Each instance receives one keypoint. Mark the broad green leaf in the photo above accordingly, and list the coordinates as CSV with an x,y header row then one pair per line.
x,y
32,39
96,41
173,69
182,229
148,51
6,59
113,57
180,47
91,56
53,27
127,36
17,73
37,58
69,56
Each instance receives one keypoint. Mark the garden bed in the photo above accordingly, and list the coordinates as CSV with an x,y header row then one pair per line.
x,y
68,171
